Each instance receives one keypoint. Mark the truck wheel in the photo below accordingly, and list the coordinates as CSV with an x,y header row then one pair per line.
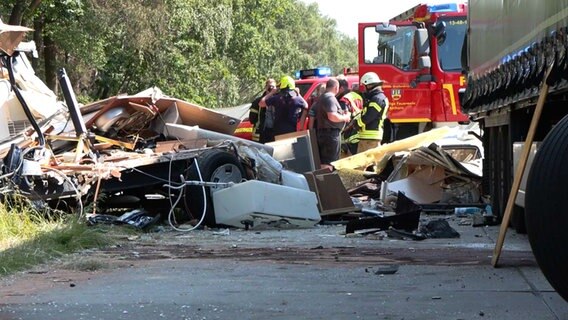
x,y
215,166
546,207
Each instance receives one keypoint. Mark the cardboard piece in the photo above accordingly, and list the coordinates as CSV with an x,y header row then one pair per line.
x,y
422,186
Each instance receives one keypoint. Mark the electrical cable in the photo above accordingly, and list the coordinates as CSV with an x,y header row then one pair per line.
x,y
150,175
170,214
7,175
170,190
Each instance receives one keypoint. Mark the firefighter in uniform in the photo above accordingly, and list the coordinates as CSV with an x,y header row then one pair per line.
x,y
257,115
370,122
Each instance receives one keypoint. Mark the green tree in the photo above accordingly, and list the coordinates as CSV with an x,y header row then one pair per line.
x,y
213,53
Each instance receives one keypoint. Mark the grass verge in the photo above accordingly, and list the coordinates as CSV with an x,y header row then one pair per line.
x,y
29,237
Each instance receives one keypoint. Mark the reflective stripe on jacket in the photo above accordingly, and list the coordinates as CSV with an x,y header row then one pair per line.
x,y
355,101
371,128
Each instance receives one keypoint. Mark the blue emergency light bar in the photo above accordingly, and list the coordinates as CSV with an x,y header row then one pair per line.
x,y
318,72
448,7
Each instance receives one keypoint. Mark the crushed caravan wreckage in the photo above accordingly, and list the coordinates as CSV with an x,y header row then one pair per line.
x,y
142,151
147,152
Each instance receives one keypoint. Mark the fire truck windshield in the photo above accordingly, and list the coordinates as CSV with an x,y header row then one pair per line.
x,y
449,52
395,48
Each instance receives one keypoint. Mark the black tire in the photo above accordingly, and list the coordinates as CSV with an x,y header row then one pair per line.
x,y
546,207
215,166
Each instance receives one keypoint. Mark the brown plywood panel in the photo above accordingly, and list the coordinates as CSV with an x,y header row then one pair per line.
x,y
11,36
194,115
331,193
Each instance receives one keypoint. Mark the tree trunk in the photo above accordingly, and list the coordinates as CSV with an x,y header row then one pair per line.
x,y
18,16
30,11
50,60
17,13
38,39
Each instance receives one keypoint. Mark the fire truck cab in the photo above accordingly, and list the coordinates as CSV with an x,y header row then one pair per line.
x,y
418,55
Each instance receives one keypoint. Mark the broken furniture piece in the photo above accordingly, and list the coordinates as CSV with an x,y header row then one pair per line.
x,y
331,193
254,203
297,151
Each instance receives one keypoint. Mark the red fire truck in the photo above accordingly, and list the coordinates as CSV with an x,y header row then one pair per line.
x,y
418,55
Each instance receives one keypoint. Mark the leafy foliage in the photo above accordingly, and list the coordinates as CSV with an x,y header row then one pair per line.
x,y
213,53
30,236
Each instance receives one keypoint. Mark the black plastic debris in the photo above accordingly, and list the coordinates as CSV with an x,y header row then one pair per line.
x,y
101,219
138,218
386,269
439,228
369,187
406,218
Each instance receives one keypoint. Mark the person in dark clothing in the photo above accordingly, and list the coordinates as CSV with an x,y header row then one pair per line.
x,y
257,116
288,106
330,120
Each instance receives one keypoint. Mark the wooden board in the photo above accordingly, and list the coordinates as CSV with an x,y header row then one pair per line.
x,y
176,145
332,195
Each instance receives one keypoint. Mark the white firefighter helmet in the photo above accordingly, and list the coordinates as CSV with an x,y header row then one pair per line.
x,y
371,78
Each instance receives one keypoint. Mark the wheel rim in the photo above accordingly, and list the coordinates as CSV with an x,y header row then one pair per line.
x,y
225,173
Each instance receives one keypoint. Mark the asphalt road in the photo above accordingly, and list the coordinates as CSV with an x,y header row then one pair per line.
x,y
294,274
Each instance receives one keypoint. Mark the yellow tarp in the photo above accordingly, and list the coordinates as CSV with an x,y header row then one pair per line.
x,y
372,156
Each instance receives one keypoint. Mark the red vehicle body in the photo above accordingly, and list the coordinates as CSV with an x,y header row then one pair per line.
x,y
310,84
418,55
244,129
